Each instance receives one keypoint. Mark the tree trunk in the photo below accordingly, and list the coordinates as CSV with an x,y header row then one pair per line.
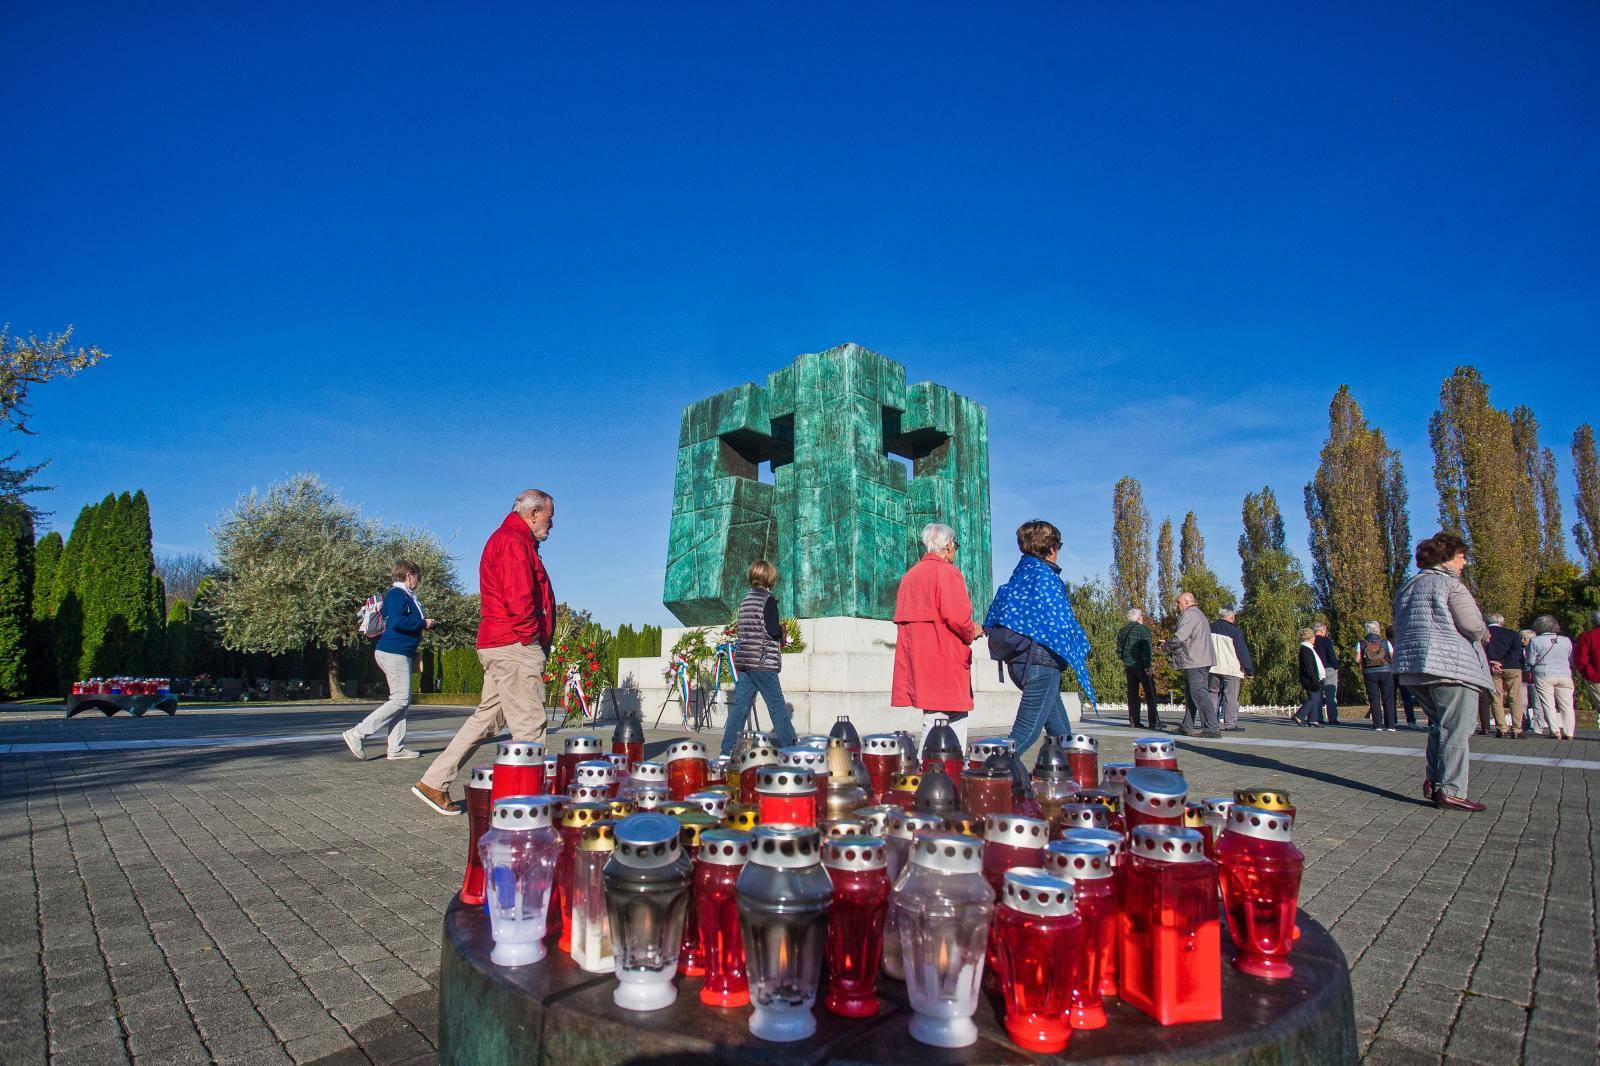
x,y
334,691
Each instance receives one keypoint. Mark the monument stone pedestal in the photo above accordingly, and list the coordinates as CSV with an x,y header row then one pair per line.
x,y
846,668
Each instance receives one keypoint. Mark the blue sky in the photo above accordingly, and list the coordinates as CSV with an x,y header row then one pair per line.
x,y
439,256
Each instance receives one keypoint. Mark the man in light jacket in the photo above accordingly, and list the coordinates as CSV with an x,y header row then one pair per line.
x,y
1190,651
1233,668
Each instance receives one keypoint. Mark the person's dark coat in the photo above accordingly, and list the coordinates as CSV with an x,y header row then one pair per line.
x,y
1329,656
1133,646
1310,678
1225,628
1505,647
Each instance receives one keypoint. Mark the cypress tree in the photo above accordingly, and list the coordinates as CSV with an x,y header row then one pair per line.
x,y
1166,572
1130,545
16,596
127,612
68,613
1277,600
41,646
1586,469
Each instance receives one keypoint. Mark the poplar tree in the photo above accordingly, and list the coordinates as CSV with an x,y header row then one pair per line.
x,y
1130,545
1166,572
1538,500
1277,600
1476,471
1585,468
1355,505
1191,545
16,597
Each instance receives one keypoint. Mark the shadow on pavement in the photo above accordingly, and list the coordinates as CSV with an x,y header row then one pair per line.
x,y
1276,766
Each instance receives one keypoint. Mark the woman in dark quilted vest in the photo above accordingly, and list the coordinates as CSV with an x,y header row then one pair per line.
x,y
759,657
1439,655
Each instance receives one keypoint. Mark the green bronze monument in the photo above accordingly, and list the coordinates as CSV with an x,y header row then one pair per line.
x,y
840,517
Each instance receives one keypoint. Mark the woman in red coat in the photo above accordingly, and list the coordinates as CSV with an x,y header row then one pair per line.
x,y
933,653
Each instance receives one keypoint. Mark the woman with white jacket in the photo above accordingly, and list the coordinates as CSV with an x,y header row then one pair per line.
x,y
1550,657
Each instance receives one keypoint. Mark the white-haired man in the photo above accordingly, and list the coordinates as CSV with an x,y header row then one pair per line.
x,y
1376,656
1191,651
1133,648
1505,666
1233,667
518,620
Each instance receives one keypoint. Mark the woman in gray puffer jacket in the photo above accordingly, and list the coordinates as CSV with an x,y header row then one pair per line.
x,y
1439,654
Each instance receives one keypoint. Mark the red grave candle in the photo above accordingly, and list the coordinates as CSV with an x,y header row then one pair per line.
x,y
1009,840
1155,753
1112,802
816,761
480,810
1083,759
552,766
598,775
786,795
518,770
1260,872
687,768
880,753
980,750
986,790
574,751
574,819
1170,930
1155,797
1117,846
1088,867
903,790
758,756
858,868
723,853
1040,952
1194,817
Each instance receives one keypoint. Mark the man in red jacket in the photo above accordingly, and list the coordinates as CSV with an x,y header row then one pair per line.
x,y
519,612
1586,659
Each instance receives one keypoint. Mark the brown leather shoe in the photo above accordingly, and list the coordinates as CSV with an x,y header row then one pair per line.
x,y
439,801
1427,789
1446,802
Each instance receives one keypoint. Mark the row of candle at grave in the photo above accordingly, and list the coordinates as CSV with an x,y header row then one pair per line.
x,y
122,686
1112,893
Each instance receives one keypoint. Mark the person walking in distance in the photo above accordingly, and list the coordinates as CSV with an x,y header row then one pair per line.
x,y
1191,652
1376,656
518,620
759,657
1133,648
1233,667
1505,667
396,649
1311,676
1550,656
1330,666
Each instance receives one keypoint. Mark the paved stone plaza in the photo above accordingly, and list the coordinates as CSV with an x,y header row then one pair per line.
x,y
229,885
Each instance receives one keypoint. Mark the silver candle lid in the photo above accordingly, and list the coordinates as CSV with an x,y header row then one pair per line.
x,y
785,781
519,753
876,817
714,803
1168,843
618,761
1081,742
523,812
905,825
980,750
482,777
761,755
810,758
590,793
550,765
1157,792
582,744
1154,748
685,749
949,853
650,772
760,738
1263,825
1113,774
844,827
648,840
812,740
1101,797
1110,839
1216,809
785,847
1016,830
855,852
1078,860
1032,890
724,847
649,796
880,744
595,772
1085,816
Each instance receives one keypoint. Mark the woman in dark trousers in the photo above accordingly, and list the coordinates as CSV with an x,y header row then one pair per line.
x,y
1312,676
1407,700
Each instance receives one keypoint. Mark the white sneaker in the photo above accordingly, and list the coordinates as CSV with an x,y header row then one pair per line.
x,y
403,753
353,742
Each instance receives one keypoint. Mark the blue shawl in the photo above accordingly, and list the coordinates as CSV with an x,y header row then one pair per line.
x,y
1034,603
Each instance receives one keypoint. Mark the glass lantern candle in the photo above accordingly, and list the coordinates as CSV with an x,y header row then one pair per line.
x,y
801,756
647,892
1155,797
723,853
1114,776
942,907
717,771
1265,799
902,830
1260,872
980,750
746,740
1088,866
986,789
597,774
1171,957
910,752
1155,753
783,894
1111,801
743,816
688,769
1194,817
691,953
754,760
573,819
1011,840
844,730
713,803
845,794
1022,798
858,867
937,792
480,810
574,750
1037,943
627,740
590,794
518,853
880,753
1083,759
844,827
519,770
903,789
619,763
551,767
942,746
649,773
648,796
876,818
1083,816
786,795
1215,812
591,924
621,808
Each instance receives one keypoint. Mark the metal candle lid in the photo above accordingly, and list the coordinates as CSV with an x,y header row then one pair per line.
x,y
905,782
761,755
967,825
1266,799
621,808
1078,860
993,768
1081,742
1110,839
601,836
578,815
595,772
1154,748
742,816
949,853
810,758
685,749
1113,774
812,740
937,794
1194,815
1016,830
785,781
1168,843
785,847
982,749
649,797
583,744
675,807
845,827
1052,759
876,817
1031,890
905,826
590,794
942,742
880,744
482,777
653,773
845,731
1156,792
1111,801
1216,810
618,761
522,812
695,823
713,803
858,852
519,753
1261,824
760,738
1085,816
550,764
724,847
629,730
647,840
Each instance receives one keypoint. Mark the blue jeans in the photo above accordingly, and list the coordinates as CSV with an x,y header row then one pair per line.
x,y
1311,710
744,697
1041,707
